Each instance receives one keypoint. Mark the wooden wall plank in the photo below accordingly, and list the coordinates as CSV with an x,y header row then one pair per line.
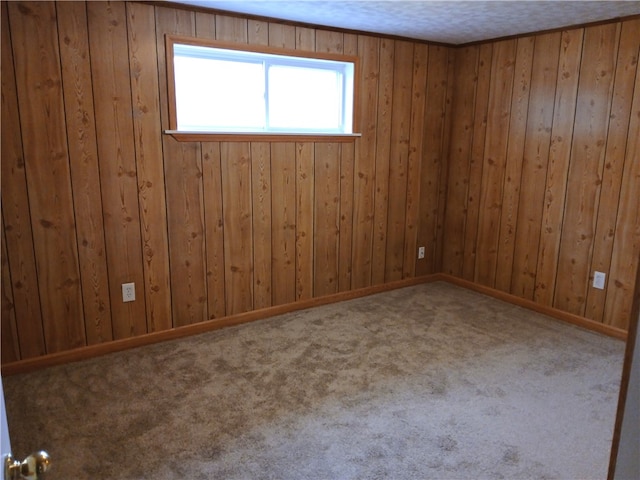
x,y
326,218
367,148
476,163
231,29
15,210
559,153
205,25
151,184
513,162
183,174
34,38
304,219
382,159
414,160
238,231
614,163
9,342
466,76
83,156
261,192
398,158
535,163
347,164
433,161
116,155
283,221
214,229
626,245
585,169
495,152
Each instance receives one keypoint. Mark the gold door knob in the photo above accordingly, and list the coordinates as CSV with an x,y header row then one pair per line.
x,y
31,467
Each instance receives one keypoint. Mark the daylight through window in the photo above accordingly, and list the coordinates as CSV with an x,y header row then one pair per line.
x,y
225,90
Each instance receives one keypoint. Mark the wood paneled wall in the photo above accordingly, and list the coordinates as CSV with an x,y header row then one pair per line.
x,y
544,168
94,195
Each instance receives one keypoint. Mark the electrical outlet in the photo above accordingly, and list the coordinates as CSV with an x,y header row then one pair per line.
x,y
598,280
128,292
420,252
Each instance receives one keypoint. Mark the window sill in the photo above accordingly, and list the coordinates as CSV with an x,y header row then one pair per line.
x,y
261,137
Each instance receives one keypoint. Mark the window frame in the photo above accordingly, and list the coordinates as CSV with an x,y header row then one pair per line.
x,y
204,136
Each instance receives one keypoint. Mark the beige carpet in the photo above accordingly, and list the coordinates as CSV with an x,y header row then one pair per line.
x,y
425,382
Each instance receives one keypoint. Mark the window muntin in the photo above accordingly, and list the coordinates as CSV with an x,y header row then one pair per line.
x,y
225,90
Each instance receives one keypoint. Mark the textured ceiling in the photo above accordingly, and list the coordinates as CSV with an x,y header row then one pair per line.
x,y
453,22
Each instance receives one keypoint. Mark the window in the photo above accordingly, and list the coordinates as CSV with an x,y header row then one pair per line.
x,y
217,88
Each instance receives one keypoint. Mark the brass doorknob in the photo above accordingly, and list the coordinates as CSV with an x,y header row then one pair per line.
x,y
31,467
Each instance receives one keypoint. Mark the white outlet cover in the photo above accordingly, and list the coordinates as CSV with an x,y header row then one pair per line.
x,y
598,280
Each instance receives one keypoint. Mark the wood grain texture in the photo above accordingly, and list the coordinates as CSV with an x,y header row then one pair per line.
x,y
83,156
614,158
46,157
9,342
433,161
383,160
261,201
461,137
535,163
513,162
365,186
107,25
559,154
238,229
585,169
304,219
16,214
495,153
476,162
398,160
151,185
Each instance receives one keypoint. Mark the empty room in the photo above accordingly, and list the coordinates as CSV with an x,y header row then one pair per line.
x,y
320,239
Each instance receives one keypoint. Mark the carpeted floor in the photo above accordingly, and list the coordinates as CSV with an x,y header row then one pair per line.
x,y
425,382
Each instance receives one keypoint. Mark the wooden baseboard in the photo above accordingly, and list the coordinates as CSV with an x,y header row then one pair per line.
x,y
84,353
536,307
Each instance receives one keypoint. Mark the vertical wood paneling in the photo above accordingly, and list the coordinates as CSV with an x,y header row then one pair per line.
x,y
303,162
559,153
495,151
326,218
365,177
513,163
398,159
535,163
414,161
347,164
83,156
16,214
151,184
433,161
476,162
283,221
261,192
116,154
183,172
238,232
614,163
214,229
34,39
585,168
626,246
462,131
383,159
9,343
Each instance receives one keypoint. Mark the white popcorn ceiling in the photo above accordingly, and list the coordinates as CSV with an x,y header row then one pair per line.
x,y
452,22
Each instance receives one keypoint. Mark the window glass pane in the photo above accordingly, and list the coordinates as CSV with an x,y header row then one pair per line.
x,y
305,98
219,94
